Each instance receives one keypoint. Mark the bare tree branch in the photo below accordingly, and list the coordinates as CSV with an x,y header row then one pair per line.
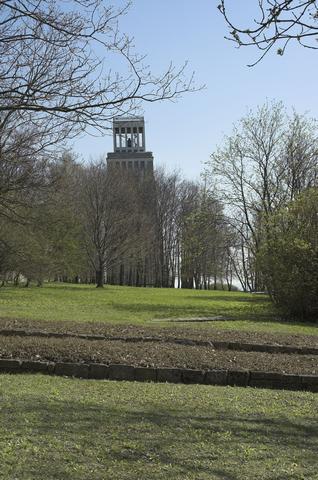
x,y
56,66
277,24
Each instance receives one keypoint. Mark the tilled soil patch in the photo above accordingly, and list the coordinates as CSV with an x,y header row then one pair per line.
x,y
216,344
153,354
164,333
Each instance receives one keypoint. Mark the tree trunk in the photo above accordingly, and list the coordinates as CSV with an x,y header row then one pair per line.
x,y
121,274
100,278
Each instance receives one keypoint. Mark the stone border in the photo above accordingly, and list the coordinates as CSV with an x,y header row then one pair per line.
x,y
218,345
241,378
192,319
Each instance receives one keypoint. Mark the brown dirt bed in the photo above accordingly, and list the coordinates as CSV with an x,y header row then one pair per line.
x,y
152,354
163,333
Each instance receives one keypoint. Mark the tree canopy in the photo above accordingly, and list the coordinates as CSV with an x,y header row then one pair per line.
x,y
288,257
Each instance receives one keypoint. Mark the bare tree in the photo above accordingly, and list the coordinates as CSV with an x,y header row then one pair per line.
x,y
301,155
267,160
204,242
276,23
167,208
57,79
24,173
107,209
137,264
57,72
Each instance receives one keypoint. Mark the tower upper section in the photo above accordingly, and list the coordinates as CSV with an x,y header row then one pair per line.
x,y
130,146
129,134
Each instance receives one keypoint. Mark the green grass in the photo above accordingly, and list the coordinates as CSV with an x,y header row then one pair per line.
x,y
57,428
139,305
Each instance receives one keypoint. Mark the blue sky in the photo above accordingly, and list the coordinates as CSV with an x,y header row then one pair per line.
x,y
182,135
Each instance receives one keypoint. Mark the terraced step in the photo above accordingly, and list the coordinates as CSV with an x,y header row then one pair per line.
x,y
215,344
118,372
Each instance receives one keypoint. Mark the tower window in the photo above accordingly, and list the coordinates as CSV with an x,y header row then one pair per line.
x,y
141,145
129,141
135,140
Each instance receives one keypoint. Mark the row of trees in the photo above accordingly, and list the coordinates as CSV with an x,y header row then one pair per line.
x,y
64,220
57,75
267,164
74,221
273,160
90,223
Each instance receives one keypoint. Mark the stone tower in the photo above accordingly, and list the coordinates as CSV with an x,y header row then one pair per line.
x,y
130,146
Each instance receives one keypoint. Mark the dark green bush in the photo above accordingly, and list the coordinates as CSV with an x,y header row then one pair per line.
x,y
288,258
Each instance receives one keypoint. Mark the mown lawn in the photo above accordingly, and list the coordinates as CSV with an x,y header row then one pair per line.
x,y
57,428
142,305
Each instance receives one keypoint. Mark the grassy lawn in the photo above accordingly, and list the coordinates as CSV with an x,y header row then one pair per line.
x,y
57,428
140,305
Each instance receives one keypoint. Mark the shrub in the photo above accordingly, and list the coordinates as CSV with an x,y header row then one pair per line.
x,y
288,258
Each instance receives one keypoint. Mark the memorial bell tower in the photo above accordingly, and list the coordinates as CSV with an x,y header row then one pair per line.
x,y
130,146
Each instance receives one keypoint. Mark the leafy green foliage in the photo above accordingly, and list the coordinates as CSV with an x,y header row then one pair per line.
x,y
289,257
44,241
205,243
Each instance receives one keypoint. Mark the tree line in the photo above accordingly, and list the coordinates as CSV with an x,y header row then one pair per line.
x,y
65,220
266,173
93,224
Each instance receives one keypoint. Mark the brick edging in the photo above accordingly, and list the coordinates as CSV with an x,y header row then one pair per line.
x,y
242,378
218,345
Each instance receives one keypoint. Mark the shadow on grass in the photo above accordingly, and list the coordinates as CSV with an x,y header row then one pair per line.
x,y
56,287
153,307
174,311
228,298
141,444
